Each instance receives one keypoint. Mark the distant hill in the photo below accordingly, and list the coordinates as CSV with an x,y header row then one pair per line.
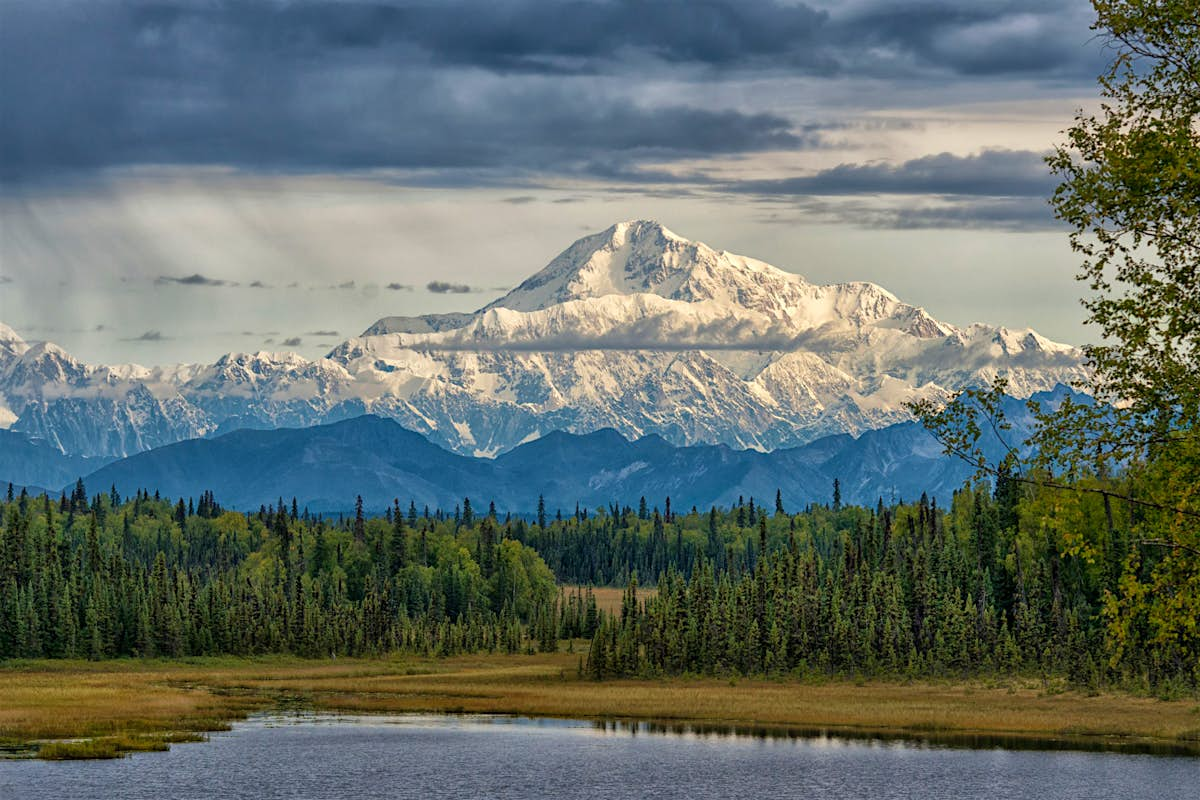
x,y
29,462
327,465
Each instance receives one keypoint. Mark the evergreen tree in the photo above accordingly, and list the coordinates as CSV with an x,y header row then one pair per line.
x,y
360,523
398,558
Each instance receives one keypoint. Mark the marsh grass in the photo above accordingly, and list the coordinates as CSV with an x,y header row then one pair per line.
x,y
153,700
113,746
72,751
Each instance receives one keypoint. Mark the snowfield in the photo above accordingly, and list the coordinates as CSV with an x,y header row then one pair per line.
x,y
634,328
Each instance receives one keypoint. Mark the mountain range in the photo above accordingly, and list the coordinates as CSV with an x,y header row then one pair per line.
x,y
326,466
633,329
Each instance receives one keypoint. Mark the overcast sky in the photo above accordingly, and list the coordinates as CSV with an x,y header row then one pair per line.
x,y
182,179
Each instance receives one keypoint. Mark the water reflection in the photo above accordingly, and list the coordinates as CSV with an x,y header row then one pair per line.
x,y
904,739
430,757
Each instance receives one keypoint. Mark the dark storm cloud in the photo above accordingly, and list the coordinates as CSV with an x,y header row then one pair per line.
x,y
919,37
1014,214
307,86
195,279
590,36
293,341
5,279
973,37
1003,213
322,333
995,173
442,287
1026,214
465,87
399,287
574,36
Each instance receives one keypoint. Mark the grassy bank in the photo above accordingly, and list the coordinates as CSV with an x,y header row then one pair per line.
x,y
84,709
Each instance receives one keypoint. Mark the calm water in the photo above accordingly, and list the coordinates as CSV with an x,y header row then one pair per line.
x,y
308,756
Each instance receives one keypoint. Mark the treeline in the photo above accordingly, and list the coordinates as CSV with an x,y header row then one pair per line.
x,y
613,543
102,577
1015,581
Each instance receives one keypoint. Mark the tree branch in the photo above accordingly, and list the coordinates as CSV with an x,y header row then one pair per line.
x,y
1170,545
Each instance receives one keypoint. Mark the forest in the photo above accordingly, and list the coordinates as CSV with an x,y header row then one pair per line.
x,y
1001,582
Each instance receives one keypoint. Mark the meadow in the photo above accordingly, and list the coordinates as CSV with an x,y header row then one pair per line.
x,y
81,709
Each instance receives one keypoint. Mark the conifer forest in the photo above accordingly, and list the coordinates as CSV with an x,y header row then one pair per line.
x,y
986,586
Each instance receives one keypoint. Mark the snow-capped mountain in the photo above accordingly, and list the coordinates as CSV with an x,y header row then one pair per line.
x,y
634,328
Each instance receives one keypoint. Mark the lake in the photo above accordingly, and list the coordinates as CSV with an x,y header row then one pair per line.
x,y
322,756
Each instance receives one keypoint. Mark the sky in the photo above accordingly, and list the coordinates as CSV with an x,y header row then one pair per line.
x,y
180,179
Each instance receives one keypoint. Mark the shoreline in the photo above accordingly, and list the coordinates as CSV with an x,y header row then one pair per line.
x,y
962,739
109,708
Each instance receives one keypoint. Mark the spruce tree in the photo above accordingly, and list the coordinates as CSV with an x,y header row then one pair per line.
x,y
360,523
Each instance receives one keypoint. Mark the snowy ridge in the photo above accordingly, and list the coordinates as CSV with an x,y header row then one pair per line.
x,y
634,328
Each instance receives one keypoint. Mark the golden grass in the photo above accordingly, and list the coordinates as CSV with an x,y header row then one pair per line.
x,y
608,598
57,700
46,700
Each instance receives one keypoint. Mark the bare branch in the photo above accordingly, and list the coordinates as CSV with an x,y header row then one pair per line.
x,y
1170,545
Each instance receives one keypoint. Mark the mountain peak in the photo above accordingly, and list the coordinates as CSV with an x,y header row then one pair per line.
x,y
619,278
636,257
7,334
639,229
11,343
